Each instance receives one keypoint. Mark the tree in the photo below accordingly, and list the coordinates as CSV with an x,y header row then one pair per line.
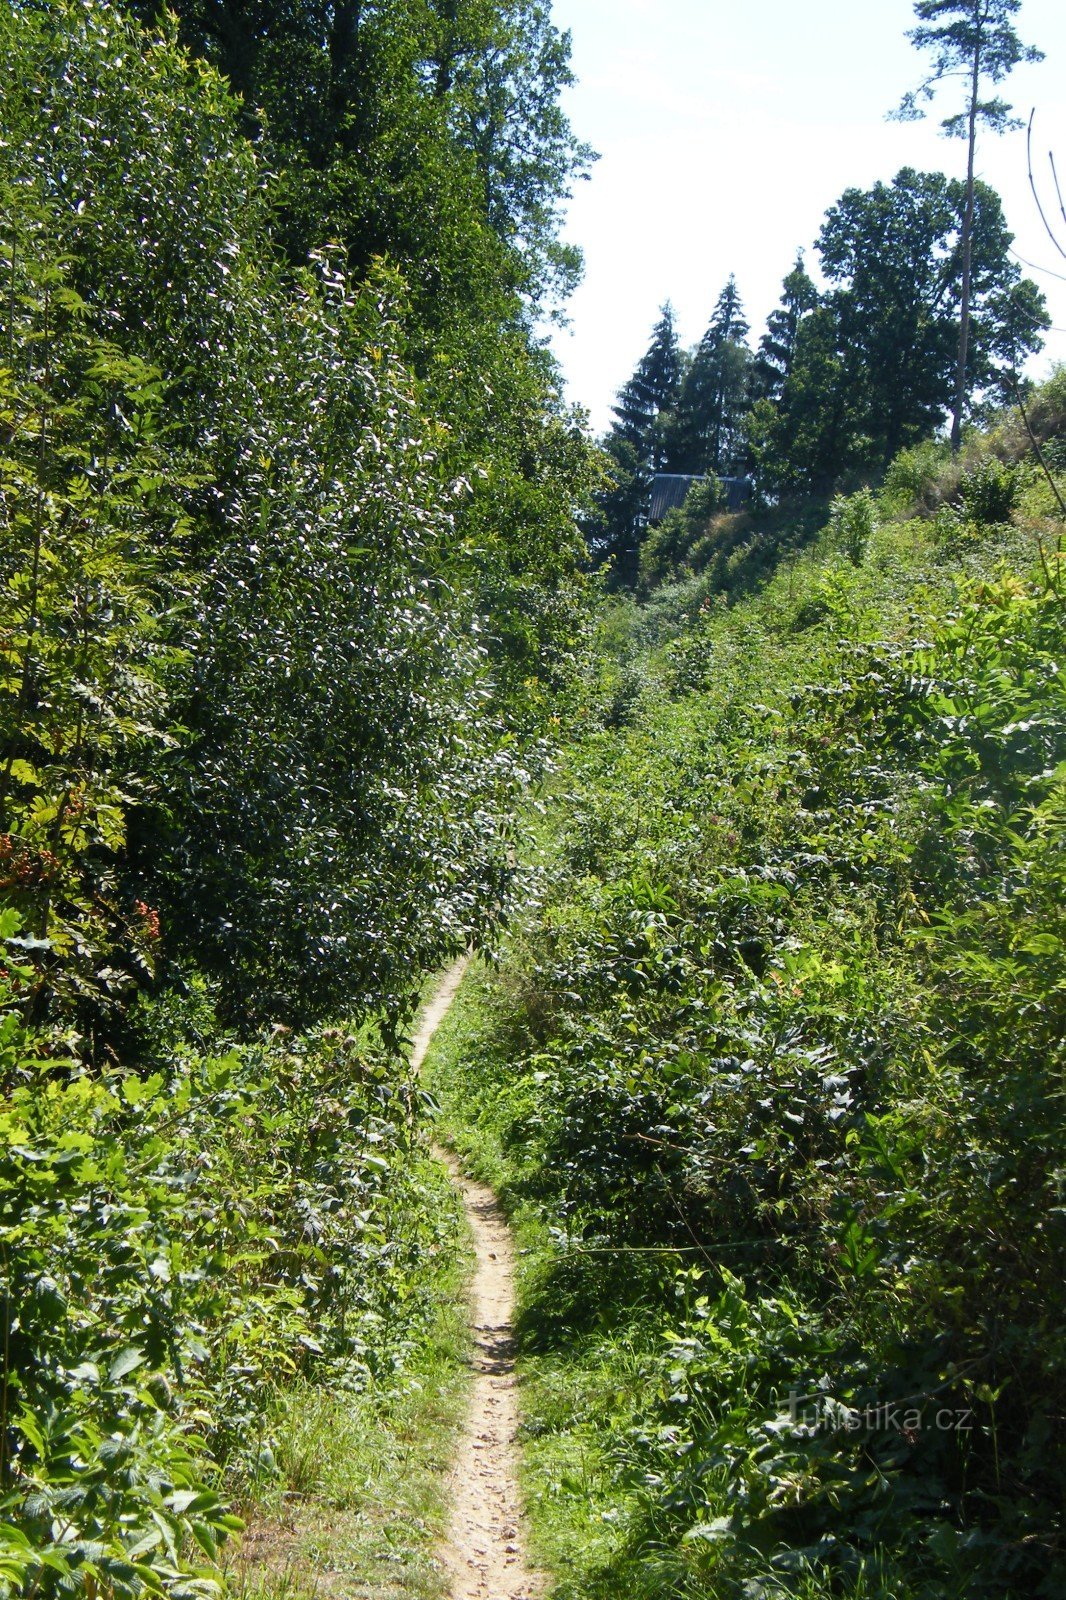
x,y
652,390
426,131
777,347
635,449
974,40
705,433
279,633
800,442
872,366
895,255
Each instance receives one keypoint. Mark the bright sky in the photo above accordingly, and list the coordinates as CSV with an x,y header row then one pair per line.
x,y
726,128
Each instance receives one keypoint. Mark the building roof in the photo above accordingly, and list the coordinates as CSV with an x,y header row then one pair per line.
x,y
668,490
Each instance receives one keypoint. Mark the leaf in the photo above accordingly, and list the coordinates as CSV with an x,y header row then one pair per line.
x,y
127,1361
721,1528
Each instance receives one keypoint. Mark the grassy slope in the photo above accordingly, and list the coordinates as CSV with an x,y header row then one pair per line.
x,y
361,1499
360,1503
577,1075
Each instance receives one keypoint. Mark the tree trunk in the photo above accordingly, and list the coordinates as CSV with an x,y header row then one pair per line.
x,y
967,259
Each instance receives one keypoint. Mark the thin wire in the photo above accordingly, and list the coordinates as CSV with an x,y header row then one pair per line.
x,y
1048,272
1032,184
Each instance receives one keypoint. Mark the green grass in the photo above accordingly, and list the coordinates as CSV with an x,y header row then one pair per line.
x,y
361,1502
580,1382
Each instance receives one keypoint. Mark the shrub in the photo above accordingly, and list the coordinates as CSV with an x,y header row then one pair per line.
x,y
173,1247
852,523
914,483
989,492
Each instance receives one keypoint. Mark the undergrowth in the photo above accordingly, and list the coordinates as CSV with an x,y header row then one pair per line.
x,y
769,1071
216,1259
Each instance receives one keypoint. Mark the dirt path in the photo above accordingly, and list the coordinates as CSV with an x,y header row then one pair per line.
x,y
483,1555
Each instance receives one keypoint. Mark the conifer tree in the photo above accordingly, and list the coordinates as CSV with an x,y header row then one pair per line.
x,y
635,446
651,390
777,347
974,40
706,433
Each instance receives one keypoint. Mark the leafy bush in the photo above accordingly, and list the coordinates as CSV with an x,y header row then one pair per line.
x,y
668,547
989,492
791,1004
852,523
175,1247
914,481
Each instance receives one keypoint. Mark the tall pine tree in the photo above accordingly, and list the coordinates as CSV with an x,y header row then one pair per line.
x,y
635,446
777,347
652,390
977,41
706,433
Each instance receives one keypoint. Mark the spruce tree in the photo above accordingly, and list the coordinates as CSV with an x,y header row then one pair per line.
x,y
706,434
777,347
974,40
635,445
651,390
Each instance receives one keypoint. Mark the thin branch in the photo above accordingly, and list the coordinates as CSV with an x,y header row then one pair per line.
x,y
1055,178
1032,184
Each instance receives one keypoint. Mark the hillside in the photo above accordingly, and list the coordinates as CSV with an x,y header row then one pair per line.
x,y
711,1244
770,1070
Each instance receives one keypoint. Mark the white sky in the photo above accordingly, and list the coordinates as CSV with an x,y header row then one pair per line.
x,y
726,128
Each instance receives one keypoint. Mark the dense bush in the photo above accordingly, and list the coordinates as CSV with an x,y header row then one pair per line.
x,y
791,1003
179,1244
276,644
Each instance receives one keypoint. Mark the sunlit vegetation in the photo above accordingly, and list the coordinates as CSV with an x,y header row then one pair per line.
x,y
306,687
290,589
771,1071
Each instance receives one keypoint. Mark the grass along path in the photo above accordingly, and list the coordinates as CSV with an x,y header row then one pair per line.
x,y
364,1492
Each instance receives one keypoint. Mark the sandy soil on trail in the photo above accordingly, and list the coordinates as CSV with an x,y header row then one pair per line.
x,y
483,1555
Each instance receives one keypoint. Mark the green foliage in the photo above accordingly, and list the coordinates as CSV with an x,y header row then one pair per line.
x,y
252,716
90,505
676,543
428,134
852,523
788,1008
872,364
974,42
914,480
175,1246
989,492
703,433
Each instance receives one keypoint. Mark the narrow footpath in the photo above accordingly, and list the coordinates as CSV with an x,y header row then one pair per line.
x,y
483,1555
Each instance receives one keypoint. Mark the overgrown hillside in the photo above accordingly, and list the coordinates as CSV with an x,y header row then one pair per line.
x,y
770,1070
294,608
